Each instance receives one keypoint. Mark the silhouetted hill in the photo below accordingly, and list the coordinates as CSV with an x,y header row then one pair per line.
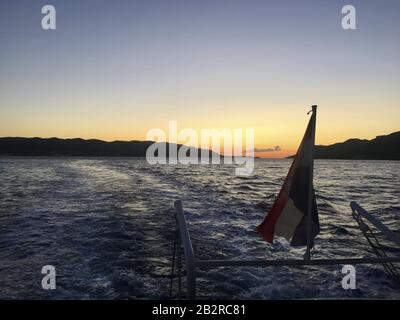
x,y
74,147
381,148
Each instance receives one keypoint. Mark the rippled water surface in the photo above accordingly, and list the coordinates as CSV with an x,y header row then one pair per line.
x,y
107,226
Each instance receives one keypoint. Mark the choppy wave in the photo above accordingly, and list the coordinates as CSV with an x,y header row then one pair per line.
x,y
107,226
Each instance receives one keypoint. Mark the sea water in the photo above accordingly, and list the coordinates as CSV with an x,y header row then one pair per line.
x,y
107,226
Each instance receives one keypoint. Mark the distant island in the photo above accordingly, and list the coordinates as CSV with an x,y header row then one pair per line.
x,y
386,147
55,147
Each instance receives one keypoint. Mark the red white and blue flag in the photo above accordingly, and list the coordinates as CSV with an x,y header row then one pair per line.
x,y
289,216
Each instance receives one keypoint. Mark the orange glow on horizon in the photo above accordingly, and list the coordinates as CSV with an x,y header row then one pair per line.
x,y
278,125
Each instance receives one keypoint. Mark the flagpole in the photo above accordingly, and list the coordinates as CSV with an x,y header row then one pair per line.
x,y
307,255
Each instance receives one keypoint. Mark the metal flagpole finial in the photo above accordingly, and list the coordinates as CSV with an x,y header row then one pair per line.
x,y
313,109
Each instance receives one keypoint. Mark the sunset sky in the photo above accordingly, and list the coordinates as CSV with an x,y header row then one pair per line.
x,y
112,70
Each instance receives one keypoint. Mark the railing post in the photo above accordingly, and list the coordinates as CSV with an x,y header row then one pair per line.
x,y
179,258
188,250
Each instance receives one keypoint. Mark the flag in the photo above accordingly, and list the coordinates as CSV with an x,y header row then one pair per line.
x,y
289,215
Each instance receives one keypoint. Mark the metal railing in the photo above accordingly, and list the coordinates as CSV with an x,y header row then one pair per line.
x,y
184,237
192,263
359,214
362,213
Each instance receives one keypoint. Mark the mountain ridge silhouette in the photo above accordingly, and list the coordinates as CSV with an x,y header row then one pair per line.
x,y
77,147
383,147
